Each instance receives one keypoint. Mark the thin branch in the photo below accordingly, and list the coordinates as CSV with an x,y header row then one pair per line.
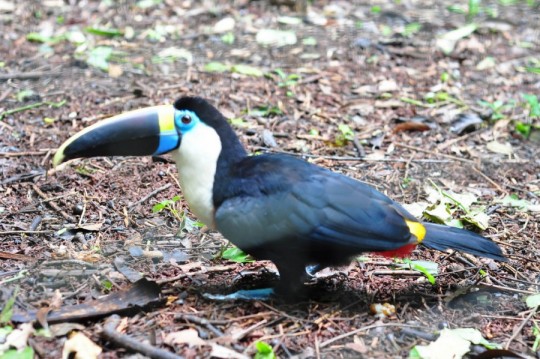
x,y
125,341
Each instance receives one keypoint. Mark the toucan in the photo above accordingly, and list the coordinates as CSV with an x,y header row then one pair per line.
x,y
278,207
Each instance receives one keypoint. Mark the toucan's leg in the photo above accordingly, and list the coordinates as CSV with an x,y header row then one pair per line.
x,y
250,294
312,269
290,286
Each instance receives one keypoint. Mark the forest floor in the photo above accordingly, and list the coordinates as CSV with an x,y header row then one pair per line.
x,y
413,97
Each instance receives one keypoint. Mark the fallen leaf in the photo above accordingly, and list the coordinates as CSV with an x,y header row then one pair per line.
x,y
224,25
187,336
447,41
502,148
18,338
79,346
219,351
115,71
411,126
522,204
278,38
533,301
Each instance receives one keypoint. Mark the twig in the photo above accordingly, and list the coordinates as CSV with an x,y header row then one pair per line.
x,y
508,289
310,79
150,195
203,321
414,148
520,328
488,179
367,327
28,153
243,333
4,233
359,147
448,143
69,261
31,106
54,206
84,208
15,256
110,333
67,273
396,272
28,75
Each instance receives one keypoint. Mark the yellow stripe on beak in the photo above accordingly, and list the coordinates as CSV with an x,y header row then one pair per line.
x,y
166,119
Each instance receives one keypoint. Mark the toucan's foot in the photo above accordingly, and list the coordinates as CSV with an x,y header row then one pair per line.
x,y
312,269
251,294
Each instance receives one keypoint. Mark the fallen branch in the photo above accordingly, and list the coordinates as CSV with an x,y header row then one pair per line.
x,y
29,75
150,195
124,341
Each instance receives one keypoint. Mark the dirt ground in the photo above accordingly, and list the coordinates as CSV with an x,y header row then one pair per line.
x,y
365,89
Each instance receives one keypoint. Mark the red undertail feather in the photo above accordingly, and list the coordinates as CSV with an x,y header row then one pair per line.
x,y
400,252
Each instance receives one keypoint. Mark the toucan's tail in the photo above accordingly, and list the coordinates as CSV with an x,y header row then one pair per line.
x,y
444,237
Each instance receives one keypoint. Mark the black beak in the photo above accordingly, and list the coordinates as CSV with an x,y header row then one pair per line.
x,y
148,131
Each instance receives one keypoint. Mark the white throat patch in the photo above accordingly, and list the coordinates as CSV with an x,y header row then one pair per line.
x,y
196,160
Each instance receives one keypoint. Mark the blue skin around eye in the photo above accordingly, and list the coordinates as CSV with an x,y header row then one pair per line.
x,y
170,140
178,114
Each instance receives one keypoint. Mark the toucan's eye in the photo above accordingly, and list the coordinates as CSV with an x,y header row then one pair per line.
x,y
186,119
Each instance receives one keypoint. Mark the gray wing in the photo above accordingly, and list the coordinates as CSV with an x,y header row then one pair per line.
x,y
324,208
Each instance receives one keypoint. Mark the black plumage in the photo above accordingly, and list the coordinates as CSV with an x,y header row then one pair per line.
x,y
294,213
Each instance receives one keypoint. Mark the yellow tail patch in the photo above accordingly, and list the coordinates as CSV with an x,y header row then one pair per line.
x,y
417,229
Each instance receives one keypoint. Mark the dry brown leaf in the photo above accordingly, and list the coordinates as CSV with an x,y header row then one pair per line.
x,y
187,336
79,346
219,351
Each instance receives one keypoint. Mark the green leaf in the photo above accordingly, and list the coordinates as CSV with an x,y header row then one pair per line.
x,y
235,254
106,284
523,128
216,67
145,4
247,70
51,40
4,331
346,131
309,41
439,213
26,353
24,94
158,207
455,343
238,122
411,29
533,301
171,54
48,120
513,200
534,105
7,311
264,351
477,217
99,57
427,268
100,31
228,38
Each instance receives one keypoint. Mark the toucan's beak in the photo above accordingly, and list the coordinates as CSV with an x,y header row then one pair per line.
x,y
148,131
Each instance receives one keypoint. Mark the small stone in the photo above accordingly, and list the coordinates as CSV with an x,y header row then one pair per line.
x,y
78,208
